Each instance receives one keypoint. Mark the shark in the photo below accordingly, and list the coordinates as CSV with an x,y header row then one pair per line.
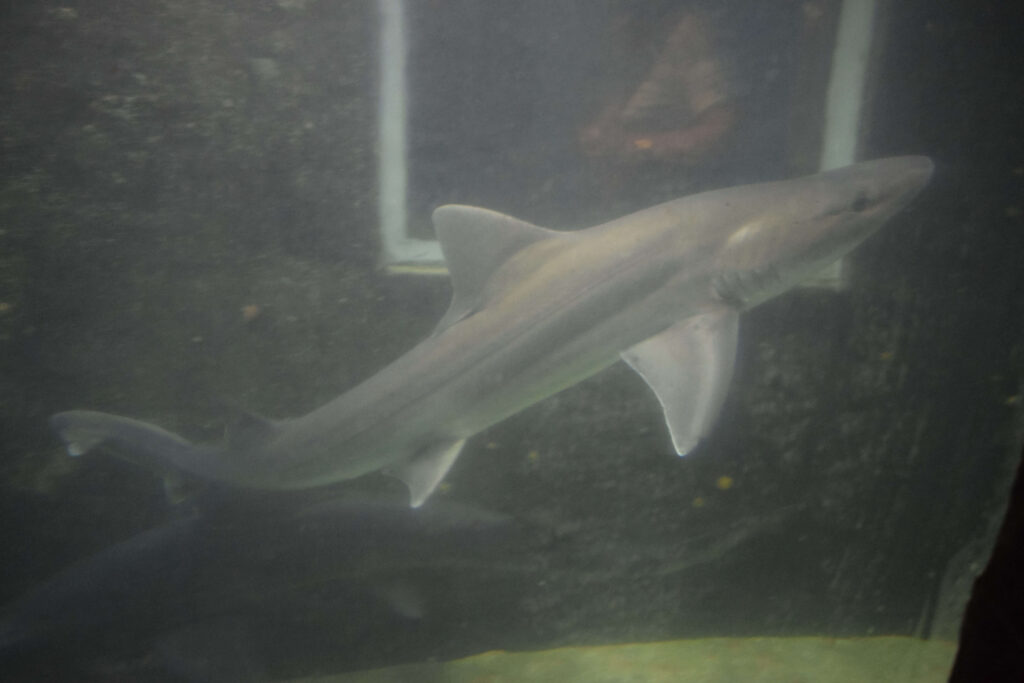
x,y
535,311
233,559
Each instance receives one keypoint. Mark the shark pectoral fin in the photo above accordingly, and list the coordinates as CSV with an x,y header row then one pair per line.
x,y
689,367
425,470
475,243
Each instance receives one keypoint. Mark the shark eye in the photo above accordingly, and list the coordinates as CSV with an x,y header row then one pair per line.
x,y
860,202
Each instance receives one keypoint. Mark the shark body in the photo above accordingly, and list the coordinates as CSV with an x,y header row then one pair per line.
x,y
246,561
535,311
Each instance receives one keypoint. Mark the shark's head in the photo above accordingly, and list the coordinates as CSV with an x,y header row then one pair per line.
x,y
793,229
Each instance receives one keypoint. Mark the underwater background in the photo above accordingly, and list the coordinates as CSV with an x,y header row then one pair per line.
x,y
189,224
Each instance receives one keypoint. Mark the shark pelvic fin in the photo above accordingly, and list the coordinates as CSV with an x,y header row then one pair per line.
x,y
425,470
689,367
247,431
476,242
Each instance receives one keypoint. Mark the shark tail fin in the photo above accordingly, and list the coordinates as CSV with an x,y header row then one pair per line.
x,y
142,442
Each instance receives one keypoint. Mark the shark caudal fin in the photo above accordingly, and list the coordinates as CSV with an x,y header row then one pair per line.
x,y
142,442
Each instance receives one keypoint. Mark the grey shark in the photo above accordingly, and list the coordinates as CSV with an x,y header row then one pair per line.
x,y
246,560
535,311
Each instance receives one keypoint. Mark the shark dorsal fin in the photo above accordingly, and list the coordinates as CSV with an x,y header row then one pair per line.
x,y
476,242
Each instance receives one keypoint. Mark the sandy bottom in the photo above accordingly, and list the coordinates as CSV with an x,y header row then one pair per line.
x,y
706,660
